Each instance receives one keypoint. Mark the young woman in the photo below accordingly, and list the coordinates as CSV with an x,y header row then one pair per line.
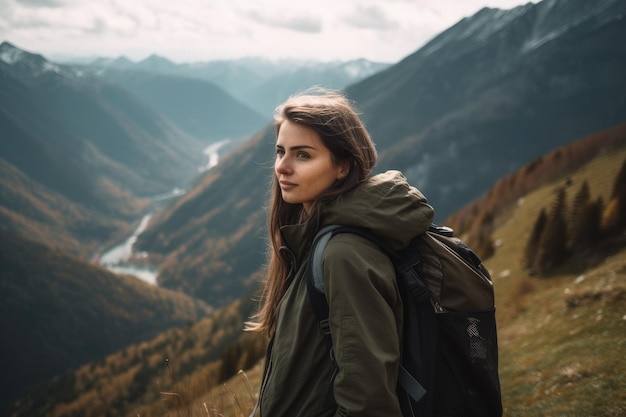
x,y
324,158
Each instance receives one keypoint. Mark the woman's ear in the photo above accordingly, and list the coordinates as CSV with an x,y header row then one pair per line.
x,y
344,170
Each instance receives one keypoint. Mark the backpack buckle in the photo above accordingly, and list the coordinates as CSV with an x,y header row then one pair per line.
x,y
325,326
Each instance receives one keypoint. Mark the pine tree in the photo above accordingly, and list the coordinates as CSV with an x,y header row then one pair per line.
x,y
587,230
580,205
552,248
581,200
530,253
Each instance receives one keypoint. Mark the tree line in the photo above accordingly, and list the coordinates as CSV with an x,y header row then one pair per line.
x,y
566,231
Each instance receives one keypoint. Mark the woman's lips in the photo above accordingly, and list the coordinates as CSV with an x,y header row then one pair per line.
x,y
286,185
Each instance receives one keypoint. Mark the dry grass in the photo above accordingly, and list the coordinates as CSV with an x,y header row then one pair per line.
x,y
235,398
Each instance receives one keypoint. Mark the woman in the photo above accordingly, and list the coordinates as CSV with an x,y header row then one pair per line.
x,y
324,158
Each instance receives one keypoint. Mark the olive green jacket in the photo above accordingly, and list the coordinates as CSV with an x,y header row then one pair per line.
x,y
365,309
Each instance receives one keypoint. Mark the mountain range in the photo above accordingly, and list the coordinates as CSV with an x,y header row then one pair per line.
x,y
80,157
84,150
261,84
491,93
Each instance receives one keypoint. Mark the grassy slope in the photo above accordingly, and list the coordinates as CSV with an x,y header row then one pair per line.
x,y
562,339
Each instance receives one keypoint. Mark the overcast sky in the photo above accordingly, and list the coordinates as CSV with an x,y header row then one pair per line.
x,y
203,30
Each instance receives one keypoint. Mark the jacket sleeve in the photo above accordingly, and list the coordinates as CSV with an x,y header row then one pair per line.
x,y
365,311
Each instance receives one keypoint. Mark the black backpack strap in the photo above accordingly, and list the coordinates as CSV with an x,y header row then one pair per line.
x,y
410,384
317,296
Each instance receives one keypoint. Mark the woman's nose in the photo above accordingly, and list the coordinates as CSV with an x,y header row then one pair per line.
x,y
282,166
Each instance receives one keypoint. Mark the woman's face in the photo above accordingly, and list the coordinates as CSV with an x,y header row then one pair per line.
x,y
303,166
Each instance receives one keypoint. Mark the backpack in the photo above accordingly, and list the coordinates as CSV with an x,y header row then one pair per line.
x,y
449,351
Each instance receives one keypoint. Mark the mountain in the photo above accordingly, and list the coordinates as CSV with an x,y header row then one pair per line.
x,y
156,64
494,91
198,107
75,146
260,83
58,312
491,93
265,95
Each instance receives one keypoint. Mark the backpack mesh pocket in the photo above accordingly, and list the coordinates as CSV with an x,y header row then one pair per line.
x,y
467,366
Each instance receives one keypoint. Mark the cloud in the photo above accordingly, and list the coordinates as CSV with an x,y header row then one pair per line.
x,y
98,27
197,30
370,17
40,3
295,22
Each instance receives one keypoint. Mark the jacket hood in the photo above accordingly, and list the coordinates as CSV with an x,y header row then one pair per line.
x,y
387,205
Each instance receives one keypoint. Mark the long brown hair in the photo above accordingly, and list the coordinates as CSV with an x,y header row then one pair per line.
x,y
334,118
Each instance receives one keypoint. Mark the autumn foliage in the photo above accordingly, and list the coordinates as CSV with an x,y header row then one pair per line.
x,y
474,222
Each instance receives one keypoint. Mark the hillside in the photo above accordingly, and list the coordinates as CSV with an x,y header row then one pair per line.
x,y
135,380
58,312
569,322
562,338
215,231
475,221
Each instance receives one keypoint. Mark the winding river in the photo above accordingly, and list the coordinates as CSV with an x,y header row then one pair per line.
x,y
119,258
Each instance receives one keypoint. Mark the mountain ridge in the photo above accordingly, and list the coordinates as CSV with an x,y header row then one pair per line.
x,y
497,93
451,135
257,82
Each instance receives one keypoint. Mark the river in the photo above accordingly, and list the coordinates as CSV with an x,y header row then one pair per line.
x,y
119,258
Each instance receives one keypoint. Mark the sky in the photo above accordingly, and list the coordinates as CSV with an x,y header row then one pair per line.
x,y
207,30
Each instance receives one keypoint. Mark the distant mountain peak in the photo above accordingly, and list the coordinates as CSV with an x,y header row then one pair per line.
x,y
157,58
33,64
156,62
9,53
120,62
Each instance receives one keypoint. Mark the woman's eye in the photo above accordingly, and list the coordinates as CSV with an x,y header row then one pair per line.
x,y
280,152
302,155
